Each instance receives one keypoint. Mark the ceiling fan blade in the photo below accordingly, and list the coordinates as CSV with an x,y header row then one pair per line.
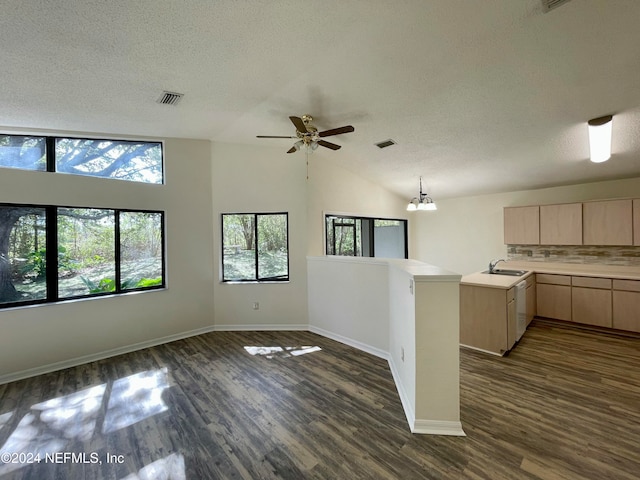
x,y
336,131
299,124
273,136
330,145
291,150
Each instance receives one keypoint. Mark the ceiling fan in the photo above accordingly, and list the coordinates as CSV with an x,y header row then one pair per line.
x,y
309,136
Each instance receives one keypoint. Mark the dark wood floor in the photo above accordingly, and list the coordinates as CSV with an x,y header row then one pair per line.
x,y
565,404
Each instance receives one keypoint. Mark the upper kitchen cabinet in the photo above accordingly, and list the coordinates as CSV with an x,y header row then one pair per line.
x,y
522,225
561,224
608,222
636,222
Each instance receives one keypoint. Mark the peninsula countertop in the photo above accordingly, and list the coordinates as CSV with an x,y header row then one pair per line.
x,y
573,269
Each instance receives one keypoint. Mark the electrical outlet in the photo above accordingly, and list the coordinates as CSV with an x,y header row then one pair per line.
x,y
256,305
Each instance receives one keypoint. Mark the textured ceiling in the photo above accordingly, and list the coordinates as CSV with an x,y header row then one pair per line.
x,y
480,95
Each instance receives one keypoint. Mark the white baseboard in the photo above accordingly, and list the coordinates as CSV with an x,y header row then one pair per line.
x,y
74,362
349,341
438,427
260,328
409,413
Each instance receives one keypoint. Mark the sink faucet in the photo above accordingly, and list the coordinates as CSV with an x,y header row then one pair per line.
x,y
493,263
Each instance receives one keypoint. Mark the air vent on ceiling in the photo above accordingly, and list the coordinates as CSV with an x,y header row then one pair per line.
x,y
170,98
548,5
385,144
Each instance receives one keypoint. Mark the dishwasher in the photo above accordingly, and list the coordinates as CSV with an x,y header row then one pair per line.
x,y
521,309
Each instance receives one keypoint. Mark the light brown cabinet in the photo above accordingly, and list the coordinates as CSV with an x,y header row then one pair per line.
x,y
487,318
626,305
561,224
608,222
522,225
553,296
636,222
591,301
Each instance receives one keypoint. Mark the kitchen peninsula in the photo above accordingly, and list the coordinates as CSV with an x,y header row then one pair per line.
x,y
598,295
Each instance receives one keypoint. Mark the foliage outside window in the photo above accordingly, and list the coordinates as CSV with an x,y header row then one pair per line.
x,y
365,237
255,247
56,253
120,159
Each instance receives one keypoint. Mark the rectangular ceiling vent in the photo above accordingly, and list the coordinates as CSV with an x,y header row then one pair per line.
x,y
549,5
385,144
170,98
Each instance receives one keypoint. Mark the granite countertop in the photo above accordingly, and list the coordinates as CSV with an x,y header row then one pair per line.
x,y
574,269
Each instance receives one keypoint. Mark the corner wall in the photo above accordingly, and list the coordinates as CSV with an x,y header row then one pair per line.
x,y
47,337
247,179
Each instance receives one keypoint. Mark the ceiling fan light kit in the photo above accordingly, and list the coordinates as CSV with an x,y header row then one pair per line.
x,y
600,138
308,135
422,202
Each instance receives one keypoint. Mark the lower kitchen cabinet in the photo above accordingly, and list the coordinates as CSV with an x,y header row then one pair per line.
x,y
553,296
487,318
626,305
591,306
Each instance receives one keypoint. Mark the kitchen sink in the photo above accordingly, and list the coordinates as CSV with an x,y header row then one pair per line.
x,y
512,273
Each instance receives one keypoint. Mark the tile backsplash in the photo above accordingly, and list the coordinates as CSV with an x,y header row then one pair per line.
x,y
629,256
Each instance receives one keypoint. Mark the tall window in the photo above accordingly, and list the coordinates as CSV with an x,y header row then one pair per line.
x,y
366,237
255,247
55,253
120,159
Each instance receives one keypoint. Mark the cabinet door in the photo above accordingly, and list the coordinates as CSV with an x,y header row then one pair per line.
x,y
522,225
561,224
591,306
553,301
483,318
608,222
626,310
636,222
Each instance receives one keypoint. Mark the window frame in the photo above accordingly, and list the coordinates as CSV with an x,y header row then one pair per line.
x,y
50,154
257,278
371,231
51,241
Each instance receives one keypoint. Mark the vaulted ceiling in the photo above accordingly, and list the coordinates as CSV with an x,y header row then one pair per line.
x,y
480,96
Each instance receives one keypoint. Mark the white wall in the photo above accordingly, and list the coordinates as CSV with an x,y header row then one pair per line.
x,y
349,301
402,337
249,179
465,233
34,337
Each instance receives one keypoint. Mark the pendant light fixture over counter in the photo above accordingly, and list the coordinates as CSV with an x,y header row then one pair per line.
x,y
421,202
600,138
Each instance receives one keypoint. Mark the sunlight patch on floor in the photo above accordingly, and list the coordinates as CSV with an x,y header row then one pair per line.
x,y
52,425
271,352
135,398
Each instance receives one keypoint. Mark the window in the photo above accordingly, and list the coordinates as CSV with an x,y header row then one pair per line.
x,y
50,253
255,247
19,151
366,237
120,159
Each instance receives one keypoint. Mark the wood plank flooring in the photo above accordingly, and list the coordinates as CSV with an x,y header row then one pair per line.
x,y
565,404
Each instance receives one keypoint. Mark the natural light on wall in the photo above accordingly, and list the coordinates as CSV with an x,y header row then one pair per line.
x,y
600,138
